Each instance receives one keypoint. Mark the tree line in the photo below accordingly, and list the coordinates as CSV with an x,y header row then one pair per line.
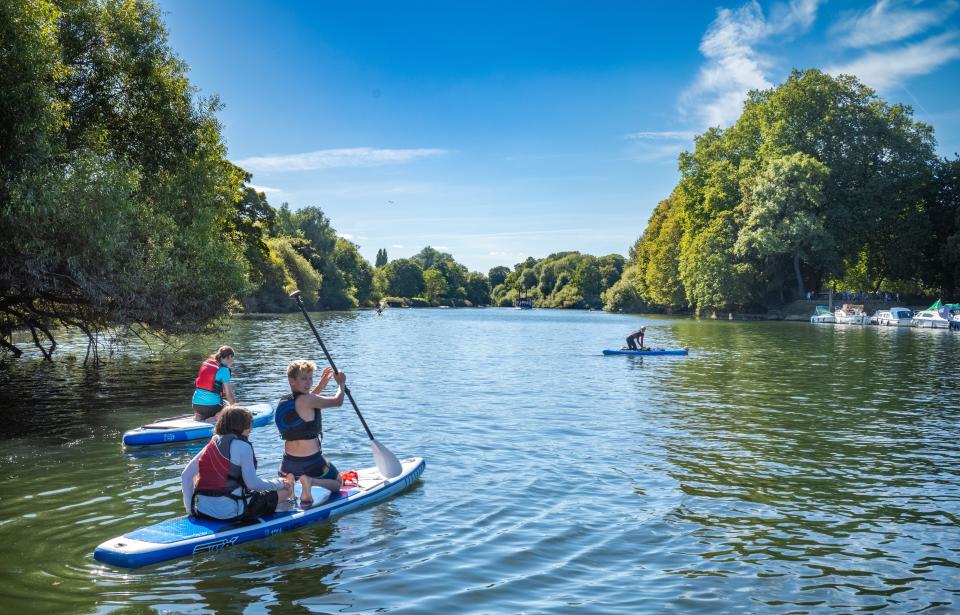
x,y
819,184
120,210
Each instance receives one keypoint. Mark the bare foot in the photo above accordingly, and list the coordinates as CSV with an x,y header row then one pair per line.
x,y
306,493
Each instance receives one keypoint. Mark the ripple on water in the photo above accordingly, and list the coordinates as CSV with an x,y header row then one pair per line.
x,y
778,468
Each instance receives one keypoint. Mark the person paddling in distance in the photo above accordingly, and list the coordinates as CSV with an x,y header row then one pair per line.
x,y
221,481
213,385
298,417
632,339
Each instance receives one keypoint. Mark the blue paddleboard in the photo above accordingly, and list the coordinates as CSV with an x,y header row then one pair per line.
x,y
653,351
186,536
183,428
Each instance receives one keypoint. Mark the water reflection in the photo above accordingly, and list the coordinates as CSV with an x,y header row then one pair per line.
x,y
779,467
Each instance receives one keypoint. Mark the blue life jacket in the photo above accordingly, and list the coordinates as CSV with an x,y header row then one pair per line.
x,y
292,426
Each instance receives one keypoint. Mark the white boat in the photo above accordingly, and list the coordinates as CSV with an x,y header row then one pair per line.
x,y
823,315
895,317
851,314
933,319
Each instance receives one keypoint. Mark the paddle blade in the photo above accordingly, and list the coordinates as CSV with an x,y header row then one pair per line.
x,y
387,462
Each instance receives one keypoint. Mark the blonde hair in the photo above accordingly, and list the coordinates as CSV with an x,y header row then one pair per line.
x,y
301,366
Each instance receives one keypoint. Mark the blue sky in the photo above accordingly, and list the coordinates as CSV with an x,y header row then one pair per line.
x,y
501,130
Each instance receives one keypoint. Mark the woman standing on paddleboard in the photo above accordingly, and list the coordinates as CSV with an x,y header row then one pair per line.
x,y
213,385
301,427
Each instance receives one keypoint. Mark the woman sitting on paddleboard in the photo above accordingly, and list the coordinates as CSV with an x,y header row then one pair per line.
x,y
301,427
221,482
213,385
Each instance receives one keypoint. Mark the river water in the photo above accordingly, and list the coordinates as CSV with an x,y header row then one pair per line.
x,y
779,468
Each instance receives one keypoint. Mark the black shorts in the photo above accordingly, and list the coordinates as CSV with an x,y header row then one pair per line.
x,y
206,412
260,503
314,466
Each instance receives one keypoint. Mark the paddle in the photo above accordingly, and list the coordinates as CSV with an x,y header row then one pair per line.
x,y
386,461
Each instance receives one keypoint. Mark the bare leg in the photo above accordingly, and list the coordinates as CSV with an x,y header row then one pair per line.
x,y
306,495
286,492
330,484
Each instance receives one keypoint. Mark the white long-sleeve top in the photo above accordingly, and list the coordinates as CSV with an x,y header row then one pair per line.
x,y
222,507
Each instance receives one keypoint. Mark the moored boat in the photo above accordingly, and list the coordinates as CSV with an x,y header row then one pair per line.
x,y
932,319
823,315
851,314
895,317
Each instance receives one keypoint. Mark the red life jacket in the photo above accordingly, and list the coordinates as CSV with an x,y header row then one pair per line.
x,y
207,378
219,476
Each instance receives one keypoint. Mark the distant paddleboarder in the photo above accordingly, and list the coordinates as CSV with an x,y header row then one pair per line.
x,y
635,339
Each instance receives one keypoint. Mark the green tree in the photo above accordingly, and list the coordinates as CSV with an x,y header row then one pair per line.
x,y
355,269
404,278
478,288
712,279
381,257
786,214
113,178
435,285
298,273
497,275
720,239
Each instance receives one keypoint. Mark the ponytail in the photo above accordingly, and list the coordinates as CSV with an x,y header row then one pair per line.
x,y
224,352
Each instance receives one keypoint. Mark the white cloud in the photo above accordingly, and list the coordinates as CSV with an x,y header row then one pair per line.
x,y
651,146
347,236
265,189
884,69
734,66
685,135
397,245
335,158
888,21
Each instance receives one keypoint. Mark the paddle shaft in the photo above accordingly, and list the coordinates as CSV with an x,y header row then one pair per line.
x,y
330,361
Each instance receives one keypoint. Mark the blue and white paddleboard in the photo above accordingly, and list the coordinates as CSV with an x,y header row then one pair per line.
x,y
183,428
187,536
653,351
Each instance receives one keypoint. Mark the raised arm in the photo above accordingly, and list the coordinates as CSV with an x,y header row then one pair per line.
x,y
318,401
325,377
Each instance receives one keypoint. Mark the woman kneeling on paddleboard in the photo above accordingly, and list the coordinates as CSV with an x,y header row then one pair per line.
x,y
634,338
301,427
221,482
213,385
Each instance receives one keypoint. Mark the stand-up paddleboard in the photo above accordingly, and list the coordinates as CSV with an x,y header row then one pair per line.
x,y
183,428
186,536
652,351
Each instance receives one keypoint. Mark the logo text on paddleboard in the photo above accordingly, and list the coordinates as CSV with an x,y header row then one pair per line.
x,y
216,545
